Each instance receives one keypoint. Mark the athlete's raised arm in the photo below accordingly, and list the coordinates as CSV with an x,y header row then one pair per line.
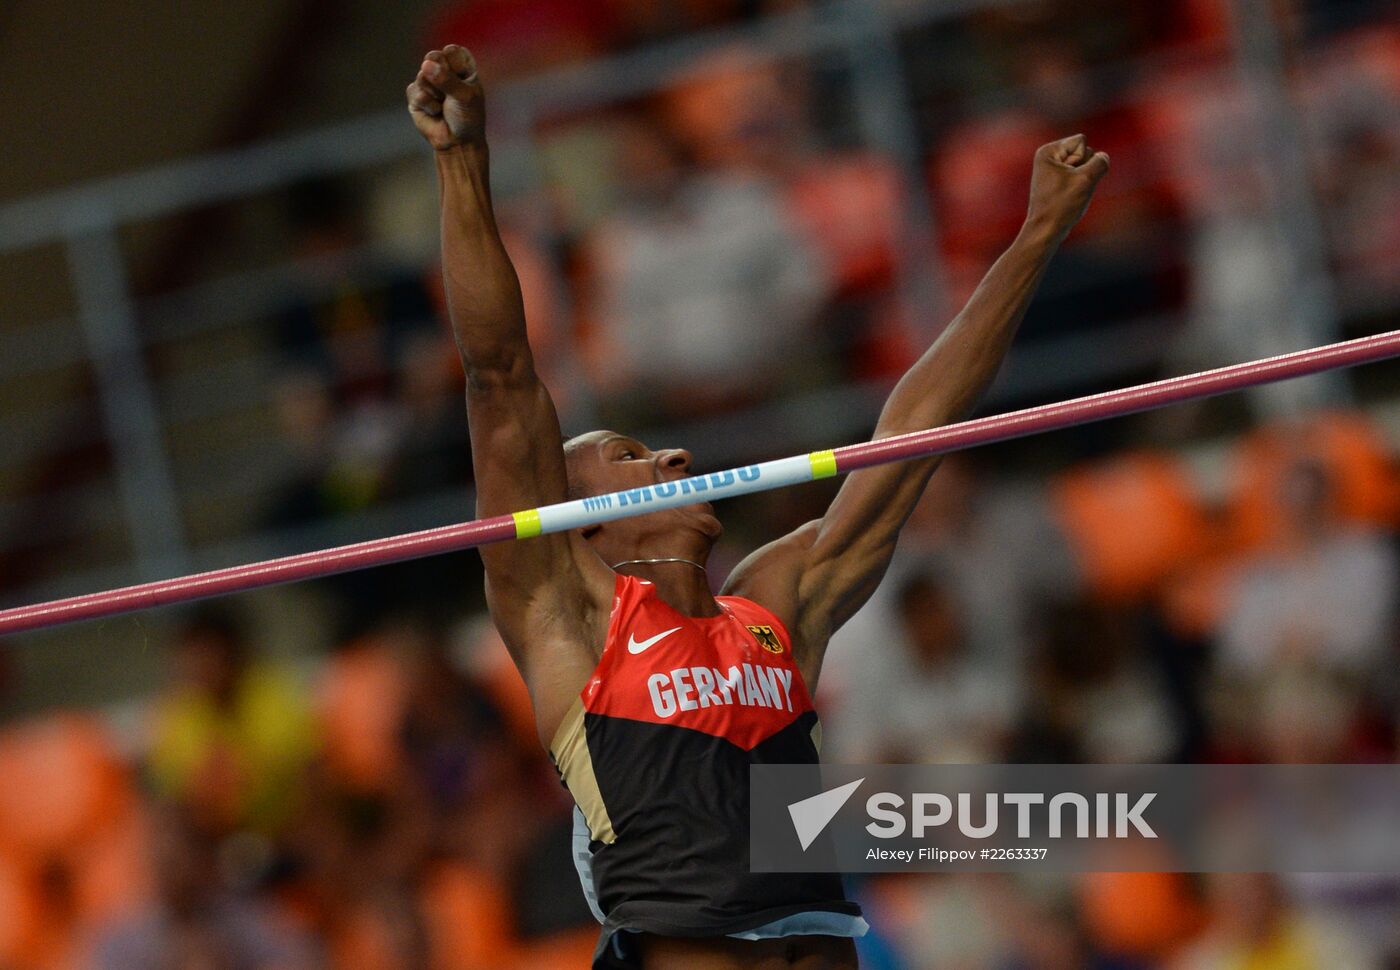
x,y
818,576
553,589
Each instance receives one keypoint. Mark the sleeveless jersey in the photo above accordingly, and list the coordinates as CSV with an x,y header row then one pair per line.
x,y
656,753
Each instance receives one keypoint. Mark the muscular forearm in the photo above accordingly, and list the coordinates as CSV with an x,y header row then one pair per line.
x,y
841,559
483,293
948,379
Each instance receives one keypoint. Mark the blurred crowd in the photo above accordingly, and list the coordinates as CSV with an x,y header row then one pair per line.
x,y
390,806
1127,612
737,236
757,226
740,236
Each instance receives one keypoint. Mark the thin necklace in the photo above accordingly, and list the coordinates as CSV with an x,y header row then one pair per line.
x,y
643,562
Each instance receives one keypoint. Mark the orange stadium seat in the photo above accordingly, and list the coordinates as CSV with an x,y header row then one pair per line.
x,y
112,873
849,207
468,920
63,783
979,207
1193,601
1132,521
21,915
1138,914
365,940
1366,486
68,809
361,706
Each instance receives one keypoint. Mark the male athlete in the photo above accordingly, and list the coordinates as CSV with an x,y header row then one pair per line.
x,y
652,695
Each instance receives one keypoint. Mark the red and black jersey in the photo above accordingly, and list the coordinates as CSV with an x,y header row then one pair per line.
x,y
656,753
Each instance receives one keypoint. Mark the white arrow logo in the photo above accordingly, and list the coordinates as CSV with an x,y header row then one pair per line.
x,y
812,815
636,646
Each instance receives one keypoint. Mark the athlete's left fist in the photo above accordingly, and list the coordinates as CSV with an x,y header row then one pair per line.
x,y
1063,179
446,101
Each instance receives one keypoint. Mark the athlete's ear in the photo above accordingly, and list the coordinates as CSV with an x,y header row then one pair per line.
x,y
589,531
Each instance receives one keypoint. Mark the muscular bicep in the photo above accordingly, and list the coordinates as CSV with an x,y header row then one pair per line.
x,y
854,542
517,447
518,455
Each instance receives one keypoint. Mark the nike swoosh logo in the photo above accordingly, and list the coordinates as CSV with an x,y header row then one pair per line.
x,y
637,646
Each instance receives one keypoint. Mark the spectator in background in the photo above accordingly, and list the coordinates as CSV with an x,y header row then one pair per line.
x,y
1245,285
1254,925
356,311
1002,554
1324,599
426,816
707,272
1120,266
411,445
741,113
232,734
1350,90
408,732
1305,718
454,739
335,329
347,342
925,695
1093,696
1009,551
306,420
194,922
434,452
1307,633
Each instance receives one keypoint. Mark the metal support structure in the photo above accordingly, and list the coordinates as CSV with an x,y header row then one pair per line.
x,y
513,135
128,406
887,122
1293,211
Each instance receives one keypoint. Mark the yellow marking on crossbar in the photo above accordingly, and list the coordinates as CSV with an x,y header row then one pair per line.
x,y
823,464
527,523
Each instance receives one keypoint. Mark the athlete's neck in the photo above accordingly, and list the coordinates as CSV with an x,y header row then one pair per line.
x,y
681,582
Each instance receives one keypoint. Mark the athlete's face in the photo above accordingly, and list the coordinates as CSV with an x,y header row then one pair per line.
x,y
605,461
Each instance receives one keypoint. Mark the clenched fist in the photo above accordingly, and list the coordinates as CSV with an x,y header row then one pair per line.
x,y
1062,183
445,100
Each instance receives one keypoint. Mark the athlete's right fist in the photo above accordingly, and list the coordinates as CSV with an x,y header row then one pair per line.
x,y
445,100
